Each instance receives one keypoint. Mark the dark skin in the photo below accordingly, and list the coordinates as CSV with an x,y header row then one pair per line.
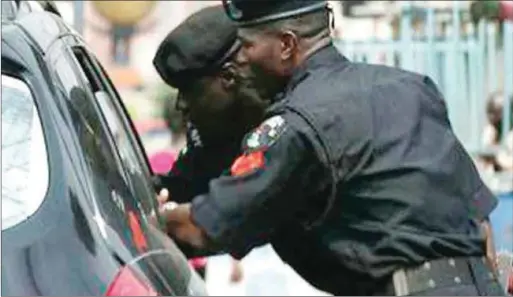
x,y
223,106
272,56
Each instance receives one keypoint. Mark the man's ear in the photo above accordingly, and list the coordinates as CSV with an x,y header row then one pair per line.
x,y
228,77
289,44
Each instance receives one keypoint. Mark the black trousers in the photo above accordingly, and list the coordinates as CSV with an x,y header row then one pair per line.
x,y
492,288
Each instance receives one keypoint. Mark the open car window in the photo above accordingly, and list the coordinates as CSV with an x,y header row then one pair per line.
x,y
25,171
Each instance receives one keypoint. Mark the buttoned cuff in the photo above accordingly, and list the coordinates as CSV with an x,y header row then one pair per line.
x,y
207,215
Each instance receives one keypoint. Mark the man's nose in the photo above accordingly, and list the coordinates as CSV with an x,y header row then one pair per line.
x,y
241,57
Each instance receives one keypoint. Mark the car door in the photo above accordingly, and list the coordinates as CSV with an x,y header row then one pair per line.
x,y
121,183
159,258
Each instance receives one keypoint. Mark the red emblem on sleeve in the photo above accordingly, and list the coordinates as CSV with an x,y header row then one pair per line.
x,y
247,163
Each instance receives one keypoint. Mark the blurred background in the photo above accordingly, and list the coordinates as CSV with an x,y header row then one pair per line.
x,y
465,46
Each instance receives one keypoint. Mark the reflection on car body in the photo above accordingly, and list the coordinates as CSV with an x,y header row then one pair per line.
x,y
76,193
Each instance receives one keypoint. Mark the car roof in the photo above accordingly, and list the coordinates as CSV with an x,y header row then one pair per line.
x,y
31,24
12,8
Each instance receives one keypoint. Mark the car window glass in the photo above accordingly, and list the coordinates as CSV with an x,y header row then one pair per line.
x,y
111,196
124,139
25,170
123,143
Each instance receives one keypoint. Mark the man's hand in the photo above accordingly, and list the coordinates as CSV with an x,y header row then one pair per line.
x,y
237,272
163,197
179,225
165,205
491,255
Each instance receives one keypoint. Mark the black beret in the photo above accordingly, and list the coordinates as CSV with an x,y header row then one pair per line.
x,y
199,45
254,12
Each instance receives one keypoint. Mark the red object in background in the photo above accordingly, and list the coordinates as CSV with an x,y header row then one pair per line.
x,y
126,283
198,262
162,162
510,284
506,10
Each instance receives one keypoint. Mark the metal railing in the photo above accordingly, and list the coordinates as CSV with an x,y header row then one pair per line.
x,y
468,62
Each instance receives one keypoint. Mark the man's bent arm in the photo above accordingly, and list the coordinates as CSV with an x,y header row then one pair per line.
x,y
266,189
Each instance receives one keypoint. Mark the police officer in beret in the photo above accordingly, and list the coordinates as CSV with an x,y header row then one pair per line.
x,y
355,176
216,98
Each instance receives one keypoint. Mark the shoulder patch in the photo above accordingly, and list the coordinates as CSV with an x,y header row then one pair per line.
x,y
265,135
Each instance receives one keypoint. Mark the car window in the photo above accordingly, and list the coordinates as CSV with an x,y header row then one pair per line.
x,y
25,170
111,196
128,148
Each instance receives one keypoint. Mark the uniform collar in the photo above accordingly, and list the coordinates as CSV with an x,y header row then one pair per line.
x,y
324,56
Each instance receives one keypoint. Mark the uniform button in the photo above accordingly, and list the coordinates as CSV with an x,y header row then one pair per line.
x,y
427,266
431,283
452,262
457,280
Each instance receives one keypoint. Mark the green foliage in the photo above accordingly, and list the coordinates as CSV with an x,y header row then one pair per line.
x,y
488,10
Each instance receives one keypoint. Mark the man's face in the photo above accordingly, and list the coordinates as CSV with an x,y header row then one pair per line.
x,y
224,106
263,51
494,112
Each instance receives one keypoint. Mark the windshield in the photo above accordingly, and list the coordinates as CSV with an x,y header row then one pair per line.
x,y
24,157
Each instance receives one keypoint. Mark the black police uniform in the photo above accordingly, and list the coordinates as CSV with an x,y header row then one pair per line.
x,y
195,48
192,171
195,166
359,183
200,44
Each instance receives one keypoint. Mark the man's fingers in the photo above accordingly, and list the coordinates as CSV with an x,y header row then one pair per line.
x,y
163,196
168,206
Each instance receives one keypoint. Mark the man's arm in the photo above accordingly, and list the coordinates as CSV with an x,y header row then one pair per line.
x,y
182,184
491,254
266,189
483,203
178,181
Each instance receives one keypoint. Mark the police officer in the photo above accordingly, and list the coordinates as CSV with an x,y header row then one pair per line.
x,y
199,58
355,176
215,98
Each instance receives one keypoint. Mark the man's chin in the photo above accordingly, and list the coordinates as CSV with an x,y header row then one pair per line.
x,y
269,89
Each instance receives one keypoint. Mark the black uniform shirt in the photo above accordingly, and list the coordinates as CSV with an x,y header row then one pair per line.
x,y
266,187
195,166
406,189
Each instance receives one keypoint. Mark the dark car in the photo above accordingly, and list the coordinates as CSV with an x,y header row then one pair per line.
x,y
77,201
